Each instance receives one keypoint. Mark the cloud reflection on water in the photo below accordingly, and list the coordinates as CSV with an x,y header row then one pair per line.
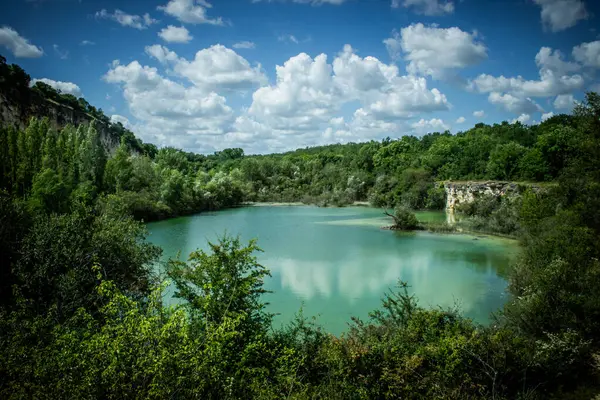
x,y
356,279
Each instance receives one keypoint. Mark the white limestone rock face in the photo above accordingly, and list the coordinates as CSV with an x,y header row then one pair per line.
x,y
466,192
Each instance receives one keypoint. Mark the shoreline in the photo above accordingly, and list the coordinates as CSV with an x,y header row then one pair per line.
x,y
299,203
424,227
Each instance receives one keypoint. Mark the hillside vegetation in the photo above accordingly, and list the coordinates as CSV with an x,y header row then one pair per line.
x,y
81,314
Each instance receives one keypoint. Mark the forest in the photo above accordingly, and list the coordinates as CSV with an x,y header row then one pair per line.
x,y
81,312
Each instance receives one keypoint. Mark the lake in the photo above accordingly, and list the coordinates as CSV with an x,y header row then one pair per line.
x,y
338,262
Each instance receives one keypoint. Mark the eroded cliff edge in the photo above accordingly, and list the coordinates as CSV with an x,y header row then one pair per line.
x,y
461,192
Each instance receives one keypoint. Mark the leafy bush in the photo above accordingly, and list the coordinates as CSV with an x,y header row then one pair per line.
x,y
404,219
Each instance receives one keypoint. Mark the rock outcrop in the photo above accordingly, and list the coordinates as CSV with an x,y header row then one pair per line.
x,y
466,192
59,115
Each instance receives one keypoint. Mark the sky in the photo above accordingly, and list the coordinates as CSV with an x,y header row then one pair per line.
x,y
275,75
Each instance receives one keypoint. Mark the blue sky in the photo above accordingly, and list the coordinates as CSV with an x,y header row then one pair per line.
x,y
276,75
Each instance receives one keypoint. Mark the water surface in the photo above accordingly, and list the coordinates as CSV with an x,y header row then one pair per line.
x,y
337,262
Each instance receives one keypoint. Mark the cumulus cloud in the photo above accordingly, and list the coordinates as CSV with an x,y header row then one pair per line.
x,y
87,43
116,118
588,54
130,20
213,68
547,115
514,104
190,11
394,46
303,96
301,107
523,118
558,15
549,84
479,114
172,113
309,92
430,50
564,102
161,53
514,94
461,120
433,125
175,34
553,78
547,59
222,68
18,45
426,7
244,45
64,87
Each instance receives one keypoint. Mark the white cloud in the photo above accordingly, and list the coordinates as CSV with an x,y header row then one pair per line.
x,y
394,46
479,114
288,39
564,102
124,19
64,87
62,54
190,11
461,120
523,118
548,60
87,43
558,15
514,93
547,115
161,53
548,85
553,80
433,125
174,34
303,96
171,114
220,67
18,45
426,7
309,92
123,120
588,54
431,50
382,89
244,45
514,104
302,107
213,68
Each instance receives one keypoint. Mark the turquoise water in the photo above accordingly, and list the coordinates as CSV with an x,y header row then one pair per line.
x,y
337,262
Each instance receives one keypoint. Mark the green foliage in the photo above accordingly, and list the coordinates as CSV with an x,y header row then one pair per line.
x,y
404,219
48,192
491,214
57,253
227,283
504,161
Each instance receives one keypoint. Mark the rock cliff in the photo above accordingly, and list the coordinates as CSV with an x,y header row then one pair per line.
x,y
466,192
59,115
